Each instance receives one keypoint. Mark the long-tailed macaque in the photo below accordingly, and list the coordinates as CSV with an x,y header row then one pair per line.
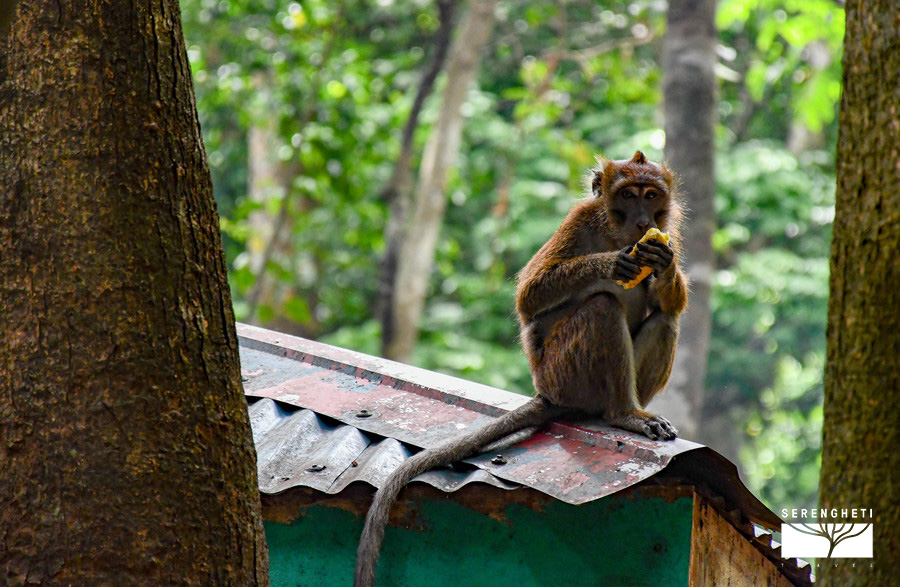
x,y
594,347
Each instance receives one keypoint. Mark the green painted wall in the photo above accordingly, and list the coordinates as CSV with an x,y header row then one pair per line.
x,y
612,541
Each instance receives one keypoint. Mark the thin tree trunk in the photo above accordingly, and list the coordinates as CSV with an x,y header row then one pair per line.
x,y
860,462
398,191
800,137
269,178
416,253
125,449
272,235
689,88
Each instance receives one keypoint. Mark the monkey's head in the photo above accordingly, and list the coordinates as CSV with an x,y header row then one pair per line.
x,y
638,195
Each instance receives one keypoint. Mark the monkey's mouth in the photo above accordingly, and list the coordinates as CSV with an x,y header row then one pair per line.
x,y
635,235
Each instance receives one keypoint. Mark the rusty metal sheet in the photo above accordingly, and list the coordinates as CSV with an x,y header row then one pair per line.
x,y
374,402
297,448
568,469
489,400
575,463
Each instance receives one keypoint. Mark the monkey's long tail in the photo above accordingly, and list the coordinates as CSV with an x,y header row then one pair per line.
x,y
535,412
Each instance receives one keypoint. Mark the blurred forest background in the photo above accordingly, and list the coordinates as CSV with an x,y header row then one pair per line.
x,y
304,106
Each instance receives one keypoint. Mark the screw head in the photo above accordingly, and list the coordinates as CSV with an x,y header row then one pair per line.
x,y
364,414
315,468
499,460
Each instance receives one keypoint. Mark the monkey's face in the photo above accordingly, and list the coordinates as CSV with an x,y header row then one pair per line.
x,y
636,208
637,193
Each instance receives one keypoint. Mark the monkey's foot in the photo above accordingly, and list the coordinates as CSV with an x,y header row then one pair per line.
x,y
653,427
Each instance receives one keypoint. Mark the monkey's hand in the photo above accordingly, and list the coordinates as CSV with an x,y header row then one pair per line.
x,y
627,267
655,254
653,427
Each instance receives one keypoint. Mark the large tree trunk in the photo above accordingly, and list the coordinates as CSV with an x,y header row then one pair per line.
x,y
860,461
125,449
416,252
689,88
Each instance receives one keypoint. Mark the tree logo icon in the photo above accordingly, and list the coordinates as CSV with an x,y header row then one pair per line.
x,y
841,540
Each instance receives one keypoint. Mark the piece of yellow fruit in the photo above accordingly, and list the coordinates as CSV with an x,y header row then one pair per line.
x,y
652,234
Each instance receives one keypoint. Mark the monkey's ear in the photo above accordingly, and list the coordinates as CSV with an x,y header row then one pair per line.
x,y
596,180
639,158
596,176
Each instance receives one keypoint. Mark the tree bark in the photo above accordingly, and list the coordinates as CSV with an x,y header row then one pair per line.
x,y
860,461
125,449
689,90
416,253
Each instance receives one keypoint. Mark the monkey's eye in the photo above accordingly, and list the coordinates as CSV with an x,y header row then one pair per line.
x,y
650,194
629,193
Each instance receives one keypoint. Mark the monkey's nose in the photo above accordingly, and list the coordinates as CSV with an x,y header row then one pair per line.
x,y
643,226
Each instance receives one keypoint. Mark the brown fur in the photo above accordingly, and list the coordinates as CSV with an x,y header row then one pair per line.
x,y
592,345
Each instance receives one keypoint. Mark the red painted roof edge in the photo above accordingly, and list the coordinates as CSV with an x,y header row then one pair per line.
x,y
476,396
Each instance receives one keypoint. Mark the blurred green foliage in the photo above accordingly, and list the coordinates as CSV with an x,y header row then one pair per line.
x,y
333,83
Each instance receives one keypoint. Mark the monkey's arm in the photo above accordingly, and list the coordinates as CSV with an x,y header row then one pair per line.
x,y
671,290
548,284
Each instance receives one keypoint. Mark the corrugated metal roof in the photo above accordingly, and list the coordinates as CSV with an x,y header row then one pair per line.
x,y
370,398
300,448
